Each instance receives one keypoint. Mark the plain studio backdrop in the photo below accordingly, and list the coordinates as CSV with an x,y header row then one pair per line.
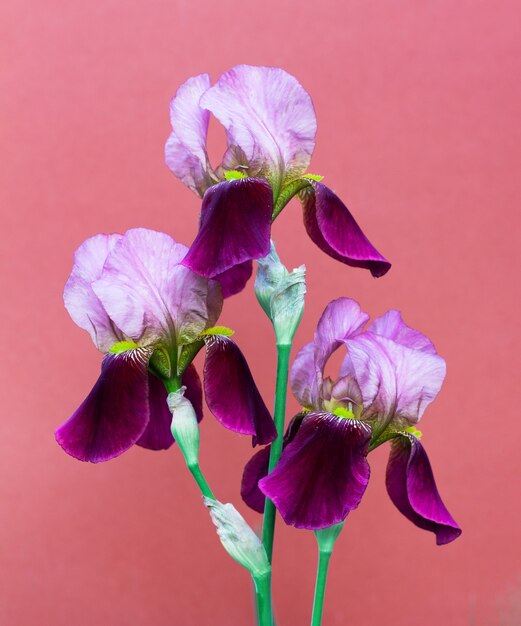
x,y
418,131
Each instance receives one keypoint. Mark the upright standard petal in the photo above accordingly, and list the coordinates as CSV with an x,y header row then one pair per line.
x,y
185,150
411,486
392,326
235,226
115,413
231,393
322,474
80,300
332,227
269,120
341,319
418,374
149,295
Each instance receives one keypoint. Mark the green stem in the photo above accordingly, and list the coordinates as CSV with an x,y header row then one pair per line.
x,y
263,595
268,525
201,480
326,538
320,586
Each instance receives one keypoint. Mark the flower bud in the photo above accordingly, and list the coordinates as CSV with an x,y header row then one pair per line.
x,y
238,539
185,428
281,294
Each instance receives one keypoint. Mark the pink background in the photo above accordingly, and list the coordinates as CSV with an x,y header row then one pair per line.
x,y
418,107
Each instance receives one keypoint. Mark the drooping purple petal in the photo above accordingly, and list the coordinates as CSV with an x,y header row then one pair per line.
x,y
255,469
332,227
258,466
234,280
149,295
115,413
158,434
194,390
235,226
322,474
412,488
392,326
80,300
269,119
231,393
185,150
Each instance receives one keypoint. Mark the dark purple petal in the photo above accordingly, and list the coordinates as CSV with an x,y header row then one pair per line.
x,y
194,390
115,413
231,393
258,466
332,227
235,226
158,435
411,486
322,474
234,280
255,469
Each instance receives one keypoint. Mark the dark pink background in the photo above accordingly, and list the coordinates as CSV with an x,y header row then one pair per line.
x,y
418,107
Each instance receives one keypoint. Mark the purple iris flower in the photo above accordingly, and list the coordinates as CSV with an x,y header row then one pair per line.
x,y
389,376
150,315
270,128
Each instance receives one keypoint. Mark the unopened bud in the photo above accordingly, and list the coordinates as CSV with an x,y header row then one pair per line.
x,y
238,539
281,295
185,428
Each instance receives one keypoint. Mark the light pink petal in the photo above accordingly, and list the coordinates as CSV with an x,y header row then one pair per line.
x,y
269,119
149,295
80,300
392,326
185,150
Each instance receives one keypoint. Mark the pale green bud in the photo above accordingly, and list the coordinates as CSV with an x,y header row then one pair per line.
x,y
281,294
238,539
185,428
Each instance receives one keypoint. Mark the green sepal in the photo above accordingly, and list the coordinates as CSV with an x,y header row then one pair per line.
x,y
188,354
160,363
326,537
234,175
289,191
412,430
123,346
224,331
316,177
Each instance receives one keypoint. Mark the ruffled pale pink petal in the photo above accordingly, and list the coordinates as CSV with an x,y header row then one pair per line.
x,y
392,326
80,300
269,119
149,295
185,150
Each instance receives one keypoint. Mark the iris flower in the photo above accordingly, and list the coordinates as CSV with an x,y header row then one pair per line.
x,y
389,376
270,129
149,315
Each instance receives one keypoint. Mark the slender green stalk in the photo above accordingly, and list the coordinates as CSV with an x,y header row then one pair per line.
x,y
326,538
268,526
263,595
320,586
201,480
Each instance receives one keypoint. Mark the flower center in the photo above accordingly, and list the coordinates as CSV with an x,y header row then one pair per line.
x,y
345,413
